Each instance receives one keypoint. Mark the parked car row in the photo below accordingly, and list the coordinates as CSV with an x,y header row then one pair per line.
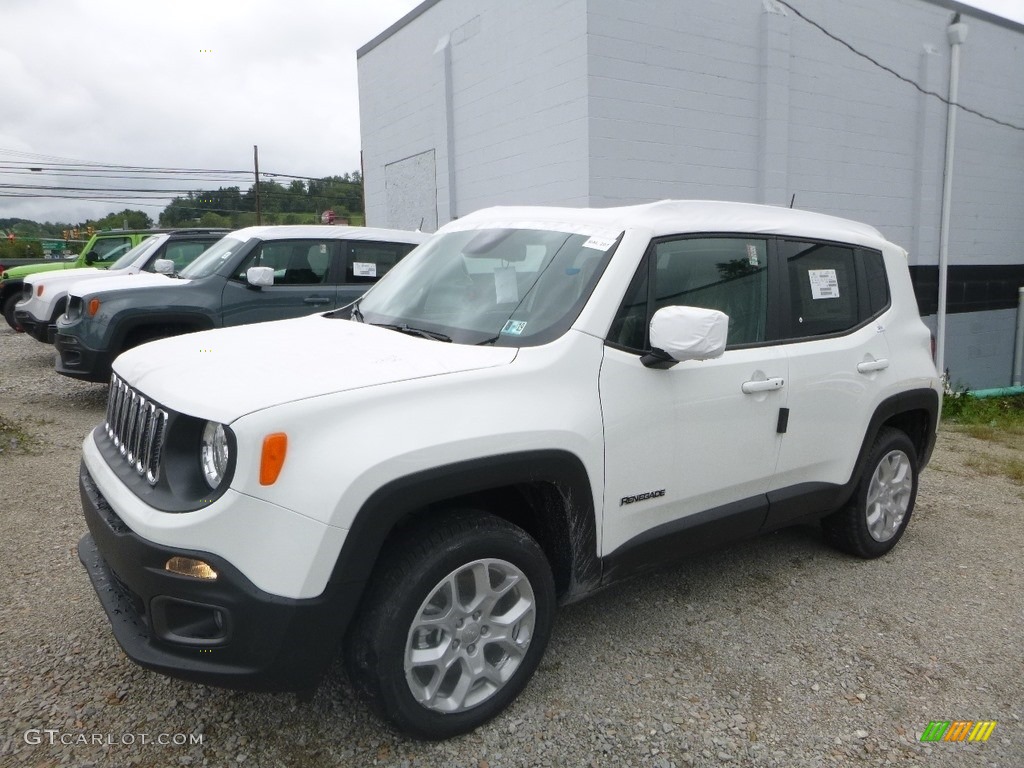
x,y
180,281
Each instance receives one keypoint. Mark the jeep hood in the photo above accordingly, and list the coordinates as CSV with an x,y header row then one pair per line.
x,y
224,374
66,277
117,282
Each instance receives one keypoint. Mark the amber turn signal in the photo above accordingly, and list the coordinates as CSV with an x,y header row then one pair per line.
x,y
275,447
94,307
187,566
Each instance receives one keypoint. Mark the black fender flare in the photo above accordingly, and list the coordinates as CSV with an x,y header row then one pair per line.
x,y
124,328
403,497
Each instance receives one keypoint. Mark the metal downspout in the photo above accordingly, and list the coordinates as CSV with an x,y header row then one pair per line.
x,y
956,33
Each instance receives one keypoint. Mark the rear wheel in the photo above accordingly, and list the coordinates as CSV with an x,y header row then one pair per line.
x,y
875,518
453,625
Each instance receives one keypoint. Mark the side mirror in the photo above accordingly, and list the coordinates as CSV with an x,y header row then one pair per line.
x,y
164,266
90,259
686,333
258,277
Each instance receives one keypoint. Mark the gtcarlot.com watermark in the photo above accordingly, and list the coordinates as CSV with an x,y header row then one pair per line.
x,y
55,736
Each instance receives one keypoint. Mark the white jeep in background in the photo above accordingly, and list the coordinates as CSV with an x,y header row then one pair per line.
x,y
533,404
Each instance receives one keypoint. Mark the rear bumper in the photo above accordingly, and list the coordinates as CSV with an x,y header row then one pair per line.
x,y
225,632
76,360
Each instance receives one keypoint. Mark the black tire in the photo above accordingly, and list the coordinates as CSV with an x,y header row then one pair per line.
x,y
878,513
8,309
417,573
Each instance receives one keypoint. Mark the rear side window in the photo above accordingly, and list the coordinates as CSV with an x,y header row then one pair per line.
x,y
822,287
367,262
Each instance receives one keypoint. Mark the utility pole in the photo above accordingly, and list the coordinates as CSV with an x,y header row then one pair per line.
x,y
256,165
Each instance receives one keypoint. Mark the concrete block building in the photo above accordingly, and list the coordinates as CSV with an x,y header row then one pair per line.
x,y
471,103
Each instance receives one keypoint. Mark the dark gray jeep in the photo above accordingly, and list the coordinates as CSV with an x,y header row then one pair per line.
x,y
251,275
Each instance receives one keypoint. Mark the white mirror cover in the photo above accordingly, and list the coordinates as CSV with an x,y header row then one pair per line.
x,y
260,276
164,266
690,333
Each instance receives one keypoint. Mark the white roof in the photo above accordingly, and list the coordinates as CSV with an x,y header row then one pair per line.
x,y
672,217
320,232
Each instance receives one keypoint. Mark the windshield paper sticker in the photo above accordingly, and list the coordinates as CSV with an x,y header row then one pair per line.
x,y
506,288
514,327
364,269
601,242
824,284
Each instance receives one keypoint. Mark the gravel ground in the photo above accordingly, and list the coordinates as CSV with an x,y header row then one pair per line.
x,y
776,652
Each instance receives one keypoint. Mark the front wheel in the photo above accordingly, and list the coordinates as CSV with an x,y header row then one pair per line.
x,y
877,515
453,625
8,309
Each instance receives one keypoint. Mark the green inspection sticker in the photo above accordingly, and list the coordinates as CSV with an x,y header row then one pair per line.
x,y
514,327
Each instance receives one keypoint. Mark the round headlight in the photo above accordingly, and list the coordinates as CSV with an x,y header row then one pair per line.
x,y
214,453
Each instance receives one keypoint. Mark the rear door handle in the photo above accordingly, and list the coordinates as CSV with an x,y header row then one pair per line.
x,y
764,385
872,365
315,300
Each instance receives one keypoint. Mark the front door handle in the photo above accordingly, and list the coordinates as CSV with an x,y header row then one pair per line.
x,y
872,365
315,300
764,385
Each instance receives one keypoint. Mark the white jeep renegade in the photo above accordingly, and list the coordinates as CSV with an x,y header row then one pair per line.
x,y
534,403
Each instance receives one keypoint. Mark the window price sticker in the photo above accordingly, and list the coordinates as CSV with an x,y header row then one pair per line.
x,y
752,259
601,242
364,269
514,327
824,284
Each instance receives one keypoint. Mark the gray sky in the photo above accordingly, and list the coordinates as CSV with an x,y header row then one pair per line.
x,y
125,82
130,82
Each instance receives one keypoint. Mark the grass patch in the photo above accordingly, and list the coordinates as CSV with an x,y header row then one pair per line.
x,y
1002,413
14,439
997,420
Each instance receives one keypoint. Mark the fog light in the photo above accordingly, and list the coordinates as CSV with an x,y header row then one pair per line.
x,y
187,566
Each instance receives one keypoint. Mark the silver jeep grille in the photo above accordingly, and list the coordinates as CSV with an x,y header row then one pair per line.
x,y
137,427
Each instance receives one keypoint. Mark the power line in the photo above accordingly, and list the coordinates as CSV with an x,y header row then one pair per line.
x,y
896,74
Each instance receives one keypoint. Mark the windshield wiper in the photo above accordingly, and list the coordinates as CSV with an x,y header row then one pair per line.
x,y
408,329
356,313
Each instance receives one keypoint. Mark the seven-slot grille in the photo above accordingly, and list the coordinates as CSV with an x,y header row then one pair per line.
x,y
137,427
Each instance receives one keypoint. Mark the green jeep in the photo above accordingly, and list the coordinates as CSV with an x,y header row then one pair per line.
x,y
102,250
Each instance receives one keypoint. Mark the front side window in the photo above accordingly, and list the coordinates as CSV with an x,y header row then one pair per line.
x,y
295,262
109,248
508,287
182,253
725,273
213,258
136,254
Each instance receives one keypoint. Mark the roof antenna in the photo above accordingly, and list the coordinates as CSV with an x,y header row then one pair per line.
x,y
792,200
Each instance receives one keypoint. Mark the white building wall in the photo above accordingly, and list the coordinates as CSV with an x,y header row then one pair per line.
x,y
610,102
500,85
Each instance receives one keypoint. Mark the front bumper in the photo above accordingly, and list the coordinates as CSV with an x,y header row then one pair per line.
x,y
40,331
78,361
226,632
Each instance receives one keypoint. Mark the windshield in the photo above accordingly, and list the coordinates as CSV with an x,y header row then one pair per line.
x,y
138,251
509,287
212,258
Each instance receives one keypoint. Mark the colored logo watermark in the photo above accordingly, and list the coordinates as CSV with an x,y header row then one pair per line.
x,y
958,730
